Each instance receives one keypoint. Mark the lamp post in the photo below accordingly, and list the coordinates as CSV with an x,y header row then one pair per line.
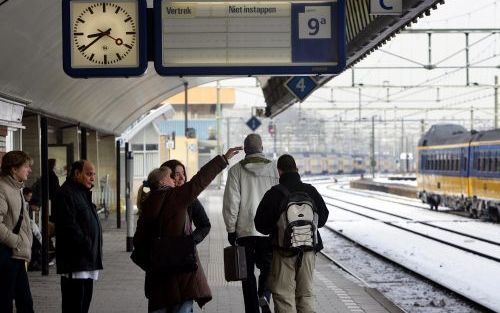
x,y
373,163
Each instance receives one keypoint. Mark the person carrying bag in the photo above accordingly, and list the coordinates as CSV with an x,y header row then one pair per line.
x,y
164,227
16,236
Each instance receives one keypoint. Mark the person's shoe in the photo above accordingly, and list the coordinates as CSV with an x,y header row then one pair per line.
x,y
264,305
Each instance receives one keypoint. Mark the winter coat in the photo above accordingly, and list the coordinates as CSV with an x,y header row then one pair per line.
x,y
170,289
78,229
269,209
200,220
11,204
247,181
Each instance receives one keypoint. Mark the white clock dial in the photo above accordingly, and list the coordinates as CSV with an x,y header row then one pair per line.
x,y
104,34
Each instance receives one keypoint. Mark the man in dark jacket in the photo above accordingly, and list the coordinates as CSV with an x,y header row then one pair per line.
x,y
78,237
291,282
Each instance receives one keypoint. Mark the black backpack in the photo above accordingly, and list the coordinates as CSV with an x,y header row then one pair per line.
x,y
297,226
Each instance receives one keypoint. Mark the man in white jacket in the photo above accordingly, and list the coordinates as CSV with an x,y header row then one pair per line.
x,y
247,182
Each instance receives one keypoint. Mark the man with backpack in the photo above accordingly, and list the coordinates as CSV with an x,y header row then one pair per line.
x,y
291,212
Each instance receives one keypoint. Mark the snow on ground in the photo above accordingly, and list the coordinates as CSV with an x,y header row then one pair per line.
x,y
467,274
414,294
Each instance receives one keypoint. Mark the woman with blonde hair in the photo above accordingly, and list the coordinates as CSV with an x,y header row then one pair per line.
x,y
165,215
157,179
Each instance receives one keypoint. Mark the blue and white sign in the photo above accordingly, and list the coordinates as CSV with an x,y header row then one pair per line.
x,y
249,38
386,7
253,123
301,86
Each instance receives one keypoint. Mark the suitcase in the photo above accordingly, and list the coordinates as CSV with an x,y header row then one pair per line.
x,y
235,264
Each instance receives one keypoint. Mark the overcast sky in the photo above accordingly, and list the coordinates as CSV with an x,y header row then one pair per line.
x,y
412,49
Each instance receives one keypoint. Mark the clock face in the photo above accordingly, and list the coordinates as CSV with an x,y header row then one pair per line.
x,y
104,34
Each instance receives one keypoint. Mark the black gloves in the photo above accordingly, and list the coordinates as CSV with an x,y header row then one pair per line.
x,y
231,237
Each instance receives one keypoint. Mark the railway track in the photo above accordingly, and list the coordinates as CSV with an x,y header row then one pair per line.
x,y
454,238
401,278
422,232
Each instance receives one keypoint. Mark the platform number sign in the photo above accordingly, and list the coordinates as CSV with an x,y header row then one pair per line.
x,y
316,33
301,86
386,7
253,123
315,23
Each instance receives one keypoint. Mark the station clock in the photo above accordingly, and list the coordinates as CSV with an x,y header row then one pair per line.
x,y
104,38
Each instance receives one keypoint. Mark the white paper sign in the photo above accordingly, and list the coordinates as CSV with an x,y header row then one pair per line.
x,y
315,23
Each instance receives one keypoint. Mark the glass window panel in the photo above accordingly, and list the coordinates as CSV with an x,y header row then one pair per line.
x,y
151,147
139,165
137,147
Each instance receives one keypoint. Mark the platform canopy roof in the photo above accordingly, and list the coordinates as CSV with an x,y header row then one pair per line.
x,y
31,67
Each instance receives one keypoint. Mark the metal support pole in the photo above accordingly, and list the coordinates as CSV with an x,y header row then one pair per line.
x,y
407,156
496,102
83,143
275,135
44,155
185,109
118,186
402,147
359,104
422,127
353,82
129,174
471,119
186,126
218,109
467,62
372,148
429,60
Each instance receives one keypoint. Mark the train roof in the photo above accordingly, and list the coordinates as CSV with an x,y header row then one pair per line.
x,y
444,134
489,135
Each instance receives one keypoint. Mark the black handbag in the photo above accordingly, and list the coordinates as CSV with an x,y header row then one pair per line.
x,y
173,254
140,256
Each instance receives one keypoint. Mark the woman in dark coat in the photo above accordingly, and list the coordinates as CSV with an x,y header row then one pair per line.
x,y
196,211
173,293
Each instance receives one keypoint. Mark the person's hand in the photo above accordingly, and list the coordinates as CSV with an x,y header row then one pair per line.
x,y
231,237
232,152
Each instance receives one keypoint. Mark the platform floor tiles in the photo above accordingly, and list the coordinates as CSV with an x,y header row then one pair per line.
x,y
120,288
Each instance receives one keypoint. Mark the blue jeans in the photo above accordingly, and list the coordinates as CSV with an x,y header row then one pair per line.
x,y
186,307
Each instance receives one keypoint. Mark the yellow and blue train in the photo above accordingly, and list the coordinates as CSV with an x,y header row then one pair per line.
x,y
460,170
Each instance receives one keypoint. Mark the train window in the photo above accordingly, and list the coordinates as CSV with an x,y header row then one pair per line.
x,y
498,164
464,163
490,164
482,164
457,165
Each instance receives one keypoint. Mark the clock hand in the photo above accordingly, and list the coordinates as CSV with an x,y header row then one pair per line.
x,y
99,33
102,34
118,41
